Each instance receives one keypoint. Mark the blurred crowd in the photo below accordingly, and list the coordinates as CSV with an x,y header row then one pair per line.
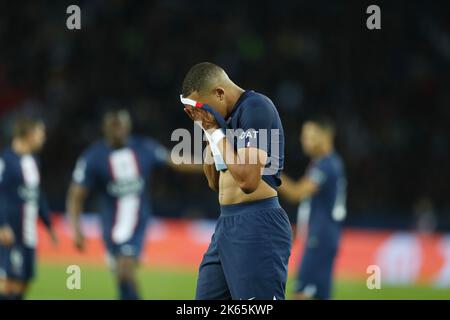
x,y
387,89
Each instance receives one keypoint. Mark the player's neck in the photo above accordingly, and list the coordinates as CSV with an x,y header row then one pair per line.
x,y
117,144
20,147
235,93
325,151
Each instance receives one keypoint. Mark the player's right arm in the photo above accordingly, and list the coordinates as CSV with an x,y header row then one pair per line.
x,y
212,175
297,191
306,186
83,176
75,203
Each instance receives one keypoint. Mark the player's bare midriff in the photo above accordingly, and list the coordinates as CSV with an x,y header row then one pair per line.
x,y
230,193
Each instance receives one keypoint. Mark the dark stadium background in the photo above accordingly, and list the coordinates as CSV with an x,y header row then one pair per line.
x,y
387,89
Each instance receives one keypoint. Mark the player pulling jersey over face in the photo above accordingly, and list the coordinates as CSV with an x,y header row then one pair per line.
x,y
21,204
322,193
250,248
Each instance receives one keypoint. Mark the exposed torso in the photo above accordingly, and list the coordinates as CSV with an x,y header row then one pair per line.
x,y
231,193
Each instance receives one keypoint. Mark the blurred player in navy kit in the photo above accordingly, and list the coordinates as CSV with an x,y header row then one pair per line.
x,y
119,167
322,194
249,251
21,203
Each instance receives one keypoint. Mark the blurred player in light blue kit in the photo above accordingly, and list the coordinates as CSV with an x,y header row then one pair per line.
x,y
21,204
119,168
322,196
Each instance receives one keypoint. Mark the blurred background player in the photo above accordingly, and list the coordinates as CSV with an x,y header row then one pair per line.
x,y
119,168
249,251
21,203
322,194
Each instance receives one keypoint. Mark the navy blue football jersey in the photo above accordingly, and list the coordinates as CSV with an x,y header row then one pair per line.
x,y
256,123
21,201
121,176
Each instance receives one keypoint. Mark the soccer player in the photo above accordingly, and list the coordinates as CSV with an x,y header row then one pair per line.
x,y
119,167
249,251
322,193
21,203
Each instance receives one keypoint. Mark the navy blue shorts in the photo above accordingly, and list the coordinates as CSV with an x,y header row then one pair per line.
x,y
129,248
314,277
17,262
248,255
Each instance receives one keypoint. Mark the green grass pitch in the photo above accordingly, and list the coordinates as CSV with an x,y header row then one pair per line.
x,y
97,283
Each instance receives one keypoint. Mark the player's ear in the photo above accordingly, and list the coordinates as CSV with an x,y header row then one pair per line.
x,y
220,93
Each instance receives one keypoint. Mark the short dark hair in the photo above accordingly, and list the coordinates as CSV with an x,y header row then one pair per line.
x,y
23,125
199,77
323,122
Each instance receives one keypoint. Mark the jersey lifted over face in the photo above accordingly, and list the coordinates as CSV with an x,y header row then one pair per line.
x,y
121,177
256,123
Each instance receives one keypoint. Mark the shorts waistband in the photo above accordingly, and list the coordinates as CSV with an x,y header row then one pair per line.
x,y
239,208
